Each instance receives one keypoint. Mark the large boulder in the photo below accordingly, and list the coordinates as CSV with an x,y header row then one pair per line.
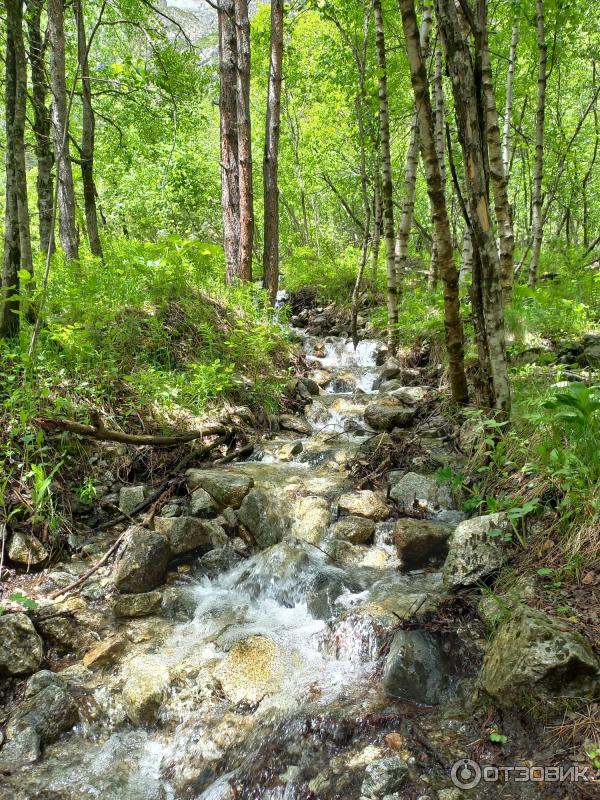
x,y
416,668
291,422
390,369
226,487
201,503
364,503
26,549
310,519
415,492
254,668
24,749
186,534
534,655
48,709
265,516
389,413
591,350
142,564
411,395
130,498
354,529
420,541
475,550
21,649
145,688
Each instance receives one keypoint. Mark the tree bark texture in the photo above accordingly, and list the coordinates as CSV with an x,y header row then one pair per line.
x,y
242,27
537,223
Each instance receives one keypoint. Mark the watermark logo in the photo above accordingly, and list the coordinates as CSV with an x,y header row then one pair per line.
x,y
466,774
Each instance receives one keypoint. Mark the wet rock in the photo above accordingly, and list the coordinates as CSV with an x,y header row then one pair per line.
x,y
186,534
142,564
364,503
310,519
415,668
383,777
106,652
415,492
130,497
48,709
356,530
321,377
254,668
411,395
24,749
474,551
420,541
264,516
226,487
178,603
217,561
289,450
291,422
64,632
137,605
534,655
21,648
201,503
388,414
26,549
390,369
146,685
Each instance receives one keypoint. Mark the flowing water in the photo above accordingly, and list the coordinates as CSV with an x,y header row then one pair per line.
x,y
295,725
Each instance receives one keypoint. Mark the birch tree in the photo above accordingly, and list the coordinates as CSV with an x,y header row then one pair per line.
x,y
540,127
244,136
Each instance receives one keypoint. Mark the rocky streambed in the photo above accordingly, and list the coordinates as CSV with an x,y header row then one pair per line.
x,y
278,633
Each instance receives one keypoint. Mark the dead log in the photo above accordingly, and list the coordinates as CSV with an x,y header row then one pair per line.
x,y
100,433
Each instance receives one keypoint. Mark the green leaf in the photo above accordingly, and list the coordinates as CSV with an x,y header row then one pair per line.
x,y
498,738
23,600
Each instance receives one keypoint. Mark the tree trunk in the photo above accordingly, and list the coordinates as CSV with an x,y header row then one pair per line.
x,y
538,175
88,131
510,79
438,86
388,187
69,237
271,155
242,26
377,221
230,185
16,97
470,115
412,162
496,166
452,320
41,123
466,267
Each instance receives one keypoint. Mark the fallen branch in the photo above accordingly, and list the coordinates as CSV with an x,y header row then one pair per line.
x,y
90,571
100,433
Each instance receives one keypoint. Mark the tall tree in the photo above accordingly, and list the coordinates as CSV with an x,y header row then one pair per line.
x,y
412,160
242,26
230,183
540,127
496,165
452,319
438,87
387,192
16,186
69,236
508,105
41,121
88,134
470,117
271,153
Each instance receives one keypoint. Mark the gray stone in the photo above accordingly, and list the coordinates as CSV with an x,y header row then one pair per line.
x,y
310,519
178,603
387,414
64,632
48,709
26,549
217,561
21,648
130,497
411,395
472,552
227,488
376,443
142,564
415,492
419,541
289,450
137,605
390,369
534,655
265,516
291,422
591,350
201,503
415,668
356,530
146,685
24,749
186,534
364,503
383,777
